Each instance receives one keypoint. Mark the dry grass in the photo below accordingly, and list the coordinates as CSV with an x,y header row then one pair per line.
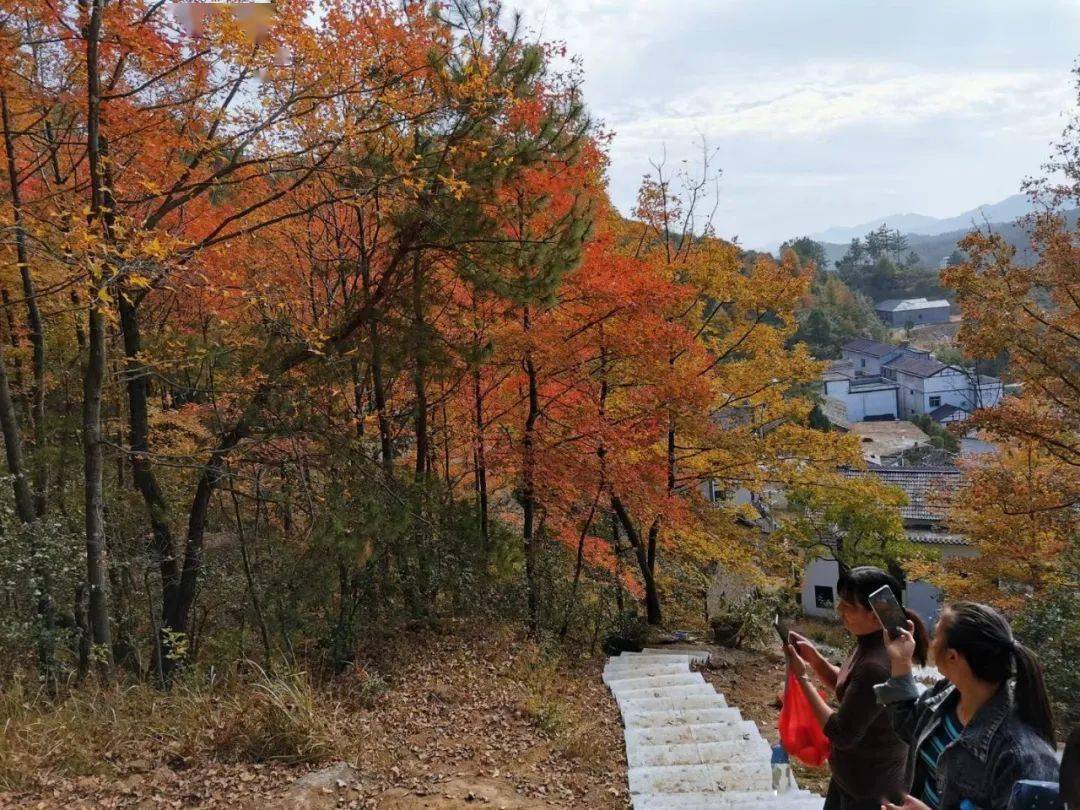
x,y
468,705
104,730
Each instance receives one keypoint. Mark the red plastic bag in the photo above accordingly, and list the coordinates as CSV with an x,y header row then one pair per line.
x,y
800,733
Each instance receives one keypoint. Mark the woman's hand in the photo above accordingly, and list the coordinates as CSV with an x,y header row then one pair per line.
x,y
901,649
803,646
910,803
794,662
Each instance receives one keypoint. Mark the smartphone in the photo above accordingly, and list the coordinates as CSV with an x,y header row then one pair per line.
x,y
781,629
887,609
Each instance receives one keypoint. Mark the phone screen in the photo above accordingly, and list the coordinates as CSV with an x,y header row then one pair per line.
x,y
890,614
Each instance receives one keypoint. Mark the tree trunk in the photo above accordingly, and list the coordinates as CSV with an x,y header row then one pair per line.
x,y
94,379
419,371
33,314
528,483
136,376
480,460
652,595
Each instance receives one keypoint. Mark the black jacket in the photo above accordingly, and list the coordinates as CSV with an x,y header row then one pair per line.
x,y
994,751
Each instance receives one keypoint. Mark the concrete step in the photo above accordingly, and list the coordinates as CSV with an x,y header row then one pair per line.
x,y
620,686
636,660
675,703
681,734
695,656
737,750
679,691
701,778
647,670
693,717
736,800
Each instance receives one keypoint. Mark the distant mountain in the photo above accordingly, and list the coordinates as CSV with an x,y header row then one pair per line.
x,y
1008,210
934,249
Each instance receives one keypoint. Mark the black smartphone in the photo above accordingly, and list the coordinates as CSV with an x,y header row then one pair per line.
x,y
887,609
781,629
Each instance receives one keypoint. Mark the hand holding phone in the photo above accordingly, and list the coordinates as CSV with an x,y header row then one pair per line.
x,y
888,610
781,630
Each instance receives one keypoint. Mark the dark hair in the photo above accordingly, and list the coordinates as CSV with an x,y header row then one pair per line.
x,y
1070,771
856,585
984,638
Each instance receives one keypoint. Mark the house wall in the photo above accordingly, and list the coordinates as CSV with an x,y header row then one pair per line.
x,y
916,317
837,388
820,574
870,403
951,386
910,395
922,597
864,363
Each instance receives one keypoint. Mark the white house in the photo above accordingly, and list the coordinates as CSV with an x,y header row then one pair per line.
x,y
926,385
922,519
913,311
868,356
865,399
870,372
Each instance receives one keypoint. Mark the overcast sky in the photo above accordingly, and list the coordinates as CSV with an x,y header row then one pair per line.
x,y
825,112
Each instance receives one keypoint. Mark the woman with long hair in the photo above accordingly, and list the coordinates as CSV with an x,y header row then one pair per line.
x,y
972,737
869,761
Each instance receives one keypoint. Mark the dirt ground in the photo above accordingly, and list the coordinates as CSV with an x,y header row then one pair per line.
x,y
477,718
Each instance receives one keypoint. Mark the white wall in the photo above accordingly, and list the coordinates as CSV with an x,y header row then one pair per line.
x,y
872,365
819,573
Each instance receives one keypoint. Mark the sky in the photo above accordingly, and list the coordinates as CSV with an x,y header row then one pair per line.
x,y
824,112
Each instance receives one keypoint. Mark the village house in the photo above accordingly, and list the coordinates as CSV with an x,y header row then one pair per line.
x,y
876,381
913,311
925,488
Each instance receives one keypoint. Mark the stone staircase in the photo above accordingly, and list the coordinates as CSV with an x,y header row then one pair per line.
x,y
685,746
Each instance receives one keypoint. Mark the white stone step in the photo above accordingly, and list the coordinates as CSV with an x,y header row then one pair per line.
x,y
688,690
736,800
623,685
693,717
703,700
647,670
736,750
643,659
695,656
679,734
701,778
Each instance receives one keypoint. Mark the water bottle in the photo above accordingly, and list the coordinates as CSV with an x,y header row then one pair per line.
x,y
783,781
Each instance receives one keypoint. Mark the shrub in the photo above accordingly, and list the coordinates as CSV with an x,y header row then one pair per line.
x,y
1050,625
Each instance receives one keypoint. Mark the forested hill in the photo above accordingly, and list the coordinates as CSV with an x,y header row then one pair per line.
x,y
935,249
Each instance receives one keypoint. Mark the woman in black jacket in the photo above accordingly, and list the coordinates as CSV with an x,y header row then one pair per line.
x,y
868,760
971,736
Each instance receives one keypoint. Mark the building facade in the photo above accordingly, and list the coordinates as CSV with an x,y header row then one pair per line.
x,y
870,371
913,311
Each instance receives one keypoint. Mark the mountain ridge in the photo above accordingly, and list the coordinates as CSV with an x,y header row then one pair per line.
x,y
1003,211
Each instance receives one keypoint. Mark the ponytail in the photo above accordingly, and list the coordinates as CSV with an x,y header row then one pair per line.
x,y
983,637
1032,703
922,637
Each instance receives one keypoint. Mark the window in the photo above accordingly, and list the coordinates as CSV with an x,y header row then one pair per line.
x,y
863,361
935,402
823,596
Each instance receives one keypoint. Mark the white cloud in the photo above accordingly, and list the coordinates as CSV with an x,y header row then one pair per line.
x,y
825,111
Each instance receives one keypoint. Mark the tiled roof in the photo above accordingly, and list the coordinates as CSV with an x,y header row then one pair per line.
x,y
944,412
924,486
873,348
936,539
916,365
